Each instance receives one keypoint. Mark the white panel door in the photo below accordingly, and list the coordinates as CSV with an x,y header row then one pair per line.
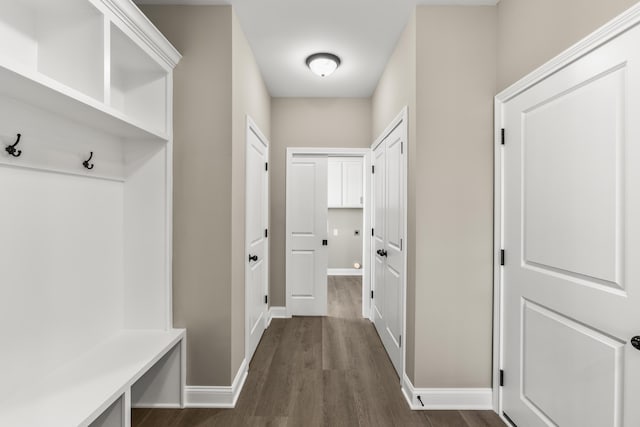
x,y
388,193
256,272
379,209
572,239
307,255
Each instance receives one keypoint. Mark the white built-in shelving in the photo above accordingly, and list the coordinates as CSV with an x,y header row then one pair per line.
x,y
85,252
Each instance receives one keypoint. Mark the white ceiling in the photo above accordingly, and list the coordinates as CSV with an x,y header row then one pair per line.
x,y
282,33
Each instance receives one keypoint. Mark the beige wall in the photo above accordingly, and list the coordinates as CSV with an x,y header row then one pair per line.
x,y
201,176
397,89
250,98
533,32
216,85
345,249
456,69
444,69
306,122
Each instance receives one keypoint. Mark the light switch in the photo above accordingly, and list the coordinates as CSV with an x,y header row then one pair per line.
x,y
335,231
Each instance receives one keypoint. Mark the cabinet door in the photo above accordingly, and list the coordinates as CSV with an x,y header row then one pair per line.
x,y
352,183
334,172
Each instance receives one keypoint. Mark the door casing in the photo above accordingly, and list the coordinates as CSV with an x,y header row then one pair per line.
x,y
251,127
399,120
612,29
365,154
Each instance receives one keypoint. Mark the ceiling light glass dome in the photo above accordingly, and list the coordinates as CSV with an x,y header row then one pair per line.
x,y
323,64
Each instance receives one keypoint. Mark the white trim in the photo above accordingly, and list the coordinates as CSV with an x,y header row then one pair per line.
x,y
157,406
344,271
365,153
400,119
252,127
277,313
446,398
610,30
330,152
146,33
217,397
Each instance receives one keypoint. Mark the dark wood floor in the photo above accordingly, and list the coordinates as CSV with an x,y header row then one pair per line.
x,y
320,371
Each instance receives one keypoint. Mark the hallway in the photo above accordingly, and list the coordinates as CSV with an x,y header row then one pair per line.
x,y
315,371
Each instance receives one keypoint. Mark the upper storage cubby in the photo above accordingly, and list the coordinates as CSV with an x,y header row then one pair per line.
x,y
62,40
138,83
100,63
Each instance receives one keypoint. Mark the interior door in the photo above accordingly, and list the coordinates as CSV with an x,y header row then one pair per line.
x,y
388,220
571,278
307,255
256,272
379,206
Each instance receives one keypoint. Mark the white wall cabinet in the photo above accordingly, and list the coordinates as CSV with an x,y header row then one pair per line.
x,y
345,182
85,252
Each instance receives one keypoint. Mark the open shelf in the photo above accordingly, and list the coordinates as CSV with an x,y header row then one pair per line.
x,y
46,93
138,83
62,39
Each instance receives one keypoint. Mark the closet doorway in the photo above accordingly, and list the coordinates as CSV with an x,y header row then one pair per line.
x,y
327,215
345,222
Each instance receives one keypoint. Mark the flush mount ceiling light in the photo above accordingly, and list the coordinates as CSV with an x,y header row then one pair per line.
x,y
323,64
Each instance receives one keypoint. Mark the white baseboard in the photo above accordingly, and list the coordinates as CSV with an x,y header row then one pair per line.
x,y
156,406
344,271
277,313
217,397
447,398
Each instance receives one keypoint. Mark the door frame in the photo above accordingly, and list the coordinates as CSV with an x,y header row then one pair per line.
x,y
365,154
400,120
251,126
623,22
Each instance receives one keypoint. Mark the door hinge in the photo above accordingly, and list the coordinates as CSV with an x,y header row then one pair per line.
x,y
372,232
502,138
266,299
501,378
400,245
501,256
266,232
400,341
373,168
371,294
401,147
266,166
325,242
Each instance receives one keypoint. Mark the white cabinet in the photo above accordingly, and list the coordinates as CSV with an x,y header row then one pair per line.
x,y
334,174
85,251
345,182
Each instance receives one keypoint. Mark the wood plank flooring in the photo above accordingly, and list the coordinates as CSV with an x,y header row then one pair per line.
x,y
320,371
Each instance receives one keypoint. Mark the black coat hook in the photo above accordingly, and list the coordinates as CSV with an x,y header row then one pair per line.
x,y
11,149
86,162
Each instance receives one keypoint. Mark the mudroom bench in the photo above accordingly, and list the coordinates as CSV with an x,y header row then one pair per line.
x,y
99,388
